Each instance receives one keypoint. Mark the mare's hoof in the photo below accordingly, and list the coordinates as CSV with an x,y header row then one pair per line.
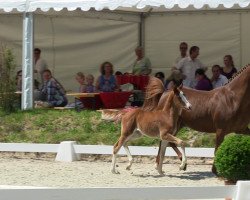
x,y
214,171
115,171
128,167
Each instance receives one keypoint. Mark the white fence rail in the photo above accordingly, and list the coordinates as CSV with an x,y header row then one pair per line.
x,y
241,191
67,151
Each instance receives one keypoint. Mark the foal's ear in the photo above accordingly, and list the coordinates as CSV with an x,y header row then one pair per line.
x,y
176,90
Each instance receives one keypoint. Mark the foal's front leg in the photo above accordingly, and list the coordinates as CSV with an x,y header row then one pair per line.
x,y
161,154
170,138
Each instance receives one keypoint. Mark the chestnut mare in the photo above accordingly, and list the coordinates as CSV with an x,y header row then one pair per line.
x,y
154,123
222,110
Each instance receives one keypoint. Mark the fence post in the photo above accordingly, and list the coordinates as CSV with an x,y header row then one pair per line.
x,y
243,190
66,152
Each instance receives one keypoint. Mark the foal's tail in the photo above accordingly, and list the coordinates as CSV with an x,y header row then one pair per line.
x,y
114,115
154,90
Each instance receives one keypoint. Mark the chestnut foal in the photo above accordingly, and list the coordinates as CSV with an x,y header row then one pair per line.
x,y
153,122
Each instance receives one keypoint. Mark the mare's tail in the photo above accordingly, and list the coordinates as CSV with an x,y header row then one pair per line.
x,y
154,90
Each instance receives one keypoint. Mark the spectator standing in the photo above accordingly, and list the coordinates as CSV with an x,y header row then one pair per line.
x,y
40,65
142,64
183,47
189,65
229,69
218,79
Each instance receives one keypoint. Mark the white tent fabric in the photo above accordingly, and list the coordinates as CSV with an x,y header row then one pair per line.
x,y
85,5
80,41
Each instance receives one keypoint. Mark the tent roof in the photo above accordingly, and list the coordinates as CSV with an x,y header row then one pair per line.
x,y
125,5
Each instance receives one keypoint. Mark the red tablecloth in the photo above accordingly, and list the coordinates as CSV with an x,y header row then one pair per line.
x,y
140,81
92,102
114,99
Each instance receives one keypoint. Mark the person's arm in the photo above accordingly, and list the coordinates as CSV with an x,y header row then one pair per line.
x,y
97,86
117,86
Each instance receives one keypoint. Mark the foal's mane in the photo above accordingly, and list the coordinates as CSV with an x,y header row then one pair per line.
x,y
238,73
153,92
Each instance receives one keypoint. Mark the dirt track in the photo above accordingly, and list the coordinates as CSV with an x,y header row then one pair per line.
x,y
92,171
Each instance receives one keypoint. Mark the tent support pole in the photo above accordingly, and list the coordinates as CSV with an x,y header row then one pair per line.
x,y
142,31
27,62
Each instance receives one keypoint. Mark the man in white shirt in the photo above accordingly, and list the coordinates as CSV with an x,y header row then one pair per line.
x,y
40,65
218,79
189,65
183,50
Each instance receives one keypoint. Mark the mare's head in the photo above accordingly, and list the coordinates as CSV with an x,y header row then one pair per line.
x,y
180,98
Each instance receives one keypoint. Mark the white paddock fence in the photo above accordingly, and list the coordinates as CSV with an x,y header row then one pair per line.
x,y
241,191
69,151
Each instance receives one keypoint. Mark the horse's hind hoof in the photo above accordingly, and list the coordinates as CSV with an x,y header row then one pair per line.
x,y
115,171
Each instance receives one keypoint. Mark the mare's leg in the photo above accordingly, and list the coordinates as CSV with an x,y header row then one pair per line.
x,y
161,154
136,134
245,132
170,138
220,134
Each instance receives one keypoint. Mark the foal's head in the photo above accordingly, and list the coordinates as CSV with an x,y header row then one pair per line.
x,y
180,98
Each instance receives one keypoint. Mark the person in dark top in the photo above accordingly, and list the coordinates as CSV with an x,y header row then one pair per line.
x,y
229,69
106,82
203,82
161,76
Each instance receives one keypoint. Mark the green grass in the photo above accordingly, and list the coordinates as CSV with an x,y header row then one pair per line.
x,y
86,127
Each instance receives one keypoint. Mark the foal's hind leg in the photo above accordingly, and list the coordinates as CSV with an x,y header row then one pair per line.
x,y
170,138
116,148
136,134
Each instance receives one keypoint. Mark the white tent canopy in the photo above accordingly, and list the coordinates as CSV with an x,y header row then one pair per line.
x,y
139,5
82,40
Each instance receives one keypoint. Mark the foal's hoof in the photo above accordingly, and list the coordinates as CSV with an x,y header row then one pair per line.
x,y
162,173
183,167
114,171
128,167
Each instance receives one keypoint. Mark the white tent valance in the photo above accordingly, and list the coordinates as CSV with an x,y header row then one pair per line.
x,y
142,5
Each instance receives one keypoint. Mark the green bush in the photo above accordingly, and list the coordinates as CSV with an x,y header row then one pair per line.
x,y
8,98
232,159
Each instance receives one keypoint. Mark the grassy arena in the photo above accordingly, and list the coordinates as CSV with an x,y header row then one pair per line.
x,y
86,127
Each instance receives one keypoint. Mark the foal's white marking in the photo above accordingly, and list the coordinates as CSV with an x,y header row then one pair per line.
x,y
184,99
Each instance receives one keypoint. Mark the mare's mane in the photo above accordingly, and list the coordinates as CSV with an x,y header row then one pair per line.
x,y
238,73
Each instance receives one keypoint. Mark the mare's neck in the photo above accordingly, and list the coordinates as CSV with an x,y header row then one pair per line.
x,y
241,84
